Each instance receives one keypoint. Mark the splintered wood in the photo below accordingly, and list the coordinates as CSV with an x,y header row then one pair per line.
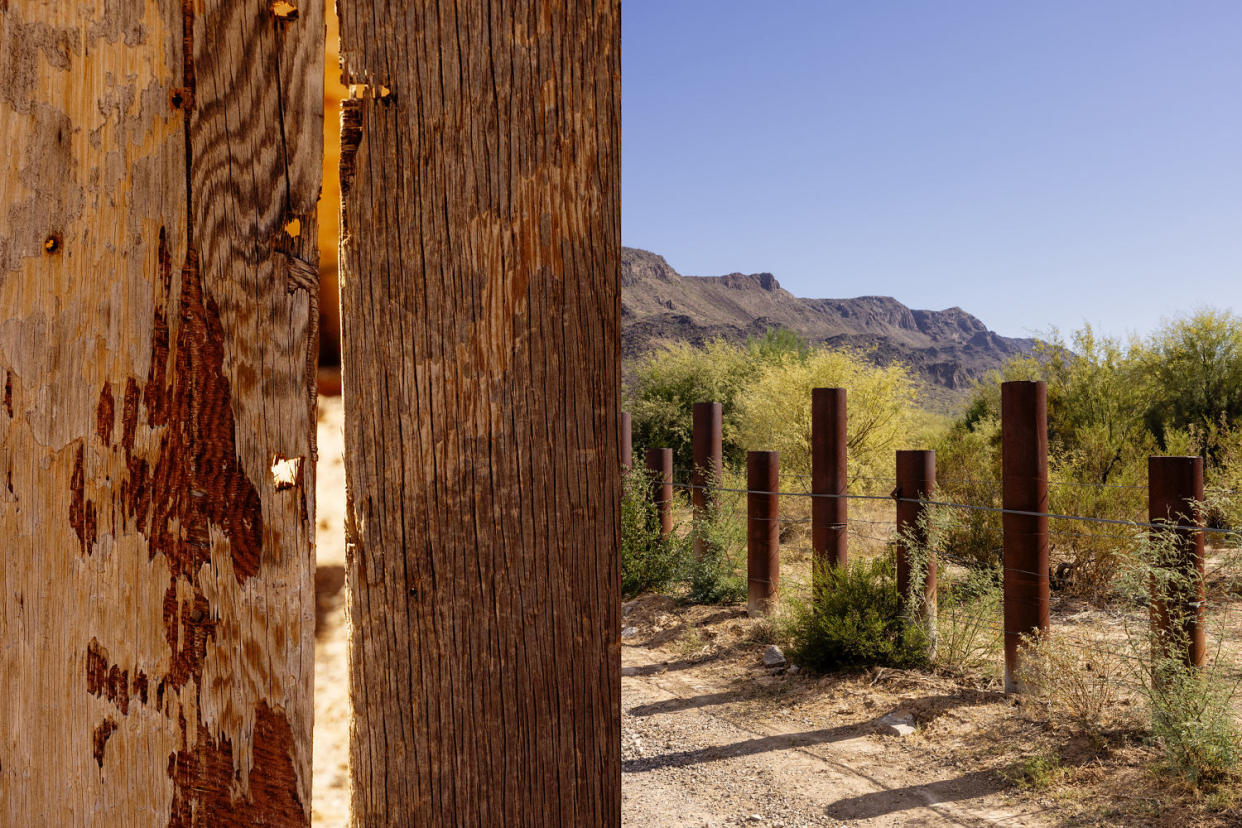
x,y
157,327
480,173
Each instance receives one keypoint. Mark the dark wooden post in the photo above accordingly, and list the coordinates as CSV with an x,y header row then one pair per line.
x,y
1175,487
660,465
480,175
1024,462
763,530
916,480
708,461
829,477
626,439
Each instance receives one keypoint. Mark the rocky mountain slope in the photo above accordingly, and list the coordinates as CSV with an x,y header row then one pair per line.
x,y
948,349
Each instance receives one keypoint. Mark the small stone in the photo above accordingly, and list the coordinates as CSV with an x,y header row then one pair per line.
x,y
897,723
756,817
629,632
773,657
794,670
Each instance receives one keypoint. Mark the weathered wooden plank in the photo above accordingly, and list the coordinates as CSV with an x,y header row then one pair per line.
x,y
480,252
157,329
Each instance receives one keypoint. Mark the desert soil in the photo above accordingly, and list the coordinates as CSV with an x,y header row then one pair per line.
x,y
712,737
330,782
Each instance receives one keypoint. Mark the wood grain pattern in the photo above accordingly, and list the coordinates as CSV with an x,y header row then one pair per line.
x,y
480,176
157,349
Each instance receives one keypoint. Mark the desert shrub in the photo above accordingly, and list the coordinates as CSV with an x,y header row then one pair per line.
x,y
968,622
964,626
1094,550
1193,721
1223,488
1110,406
775,408
1195,370
1191,708
1036,772
715,568
857,620
764,388
666,383
776,344
1076,677
968,471
649,562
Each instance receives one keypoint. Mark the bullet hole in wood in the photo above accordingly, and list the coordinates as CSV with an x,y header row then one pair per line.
x,y
379,92
286,473
294,228
285,11
52,244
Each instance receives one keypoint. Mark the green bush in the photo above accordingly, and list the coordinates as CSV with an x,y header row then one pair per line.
x,y
775,408
968,634
1036,772
665,384
764,388
1193,721
715,569
1192,708
1110,406
649,562
968,471
1194,368
858,621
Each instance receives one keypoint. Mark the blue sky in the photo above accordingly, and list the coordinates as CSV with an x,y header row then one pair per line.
x,y
1038,163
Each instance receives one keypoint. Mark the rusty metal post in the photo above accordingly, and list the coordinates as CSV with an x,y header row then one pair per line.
x,y
1174,487
1024,481
660,465
626,445
708,461
763,530
916,480
829,513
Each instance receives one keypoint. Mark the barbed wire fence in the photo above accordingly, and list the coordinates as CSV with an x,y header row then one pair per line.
x,y
1100,626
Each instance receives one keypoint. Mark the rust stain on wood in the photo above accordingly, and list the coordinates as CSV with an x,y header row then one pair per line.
x,y
204,776
198,480
106,680
100,738
82,516
105,415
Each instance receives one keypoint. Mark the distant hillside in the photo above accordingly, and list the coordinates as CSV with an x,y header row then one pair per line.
x,y
948,349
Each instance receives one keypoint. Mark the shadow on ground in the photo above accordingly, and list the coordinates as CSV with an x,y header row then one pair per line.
x,y
329,583
882,803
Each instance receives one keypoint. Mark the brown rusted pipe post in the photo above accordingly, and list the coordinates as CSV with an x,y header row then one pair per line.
x,y
916,480
1174,487
763,530
660,465
708,462
626,445
1024,482
829,512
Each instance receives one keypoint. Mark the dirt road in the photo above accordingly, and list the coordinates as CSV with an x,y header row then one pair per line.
x,y
723,741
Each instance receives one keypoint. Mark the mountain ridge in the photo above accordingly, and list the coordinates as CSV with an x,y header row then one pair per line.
x,y
948,349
